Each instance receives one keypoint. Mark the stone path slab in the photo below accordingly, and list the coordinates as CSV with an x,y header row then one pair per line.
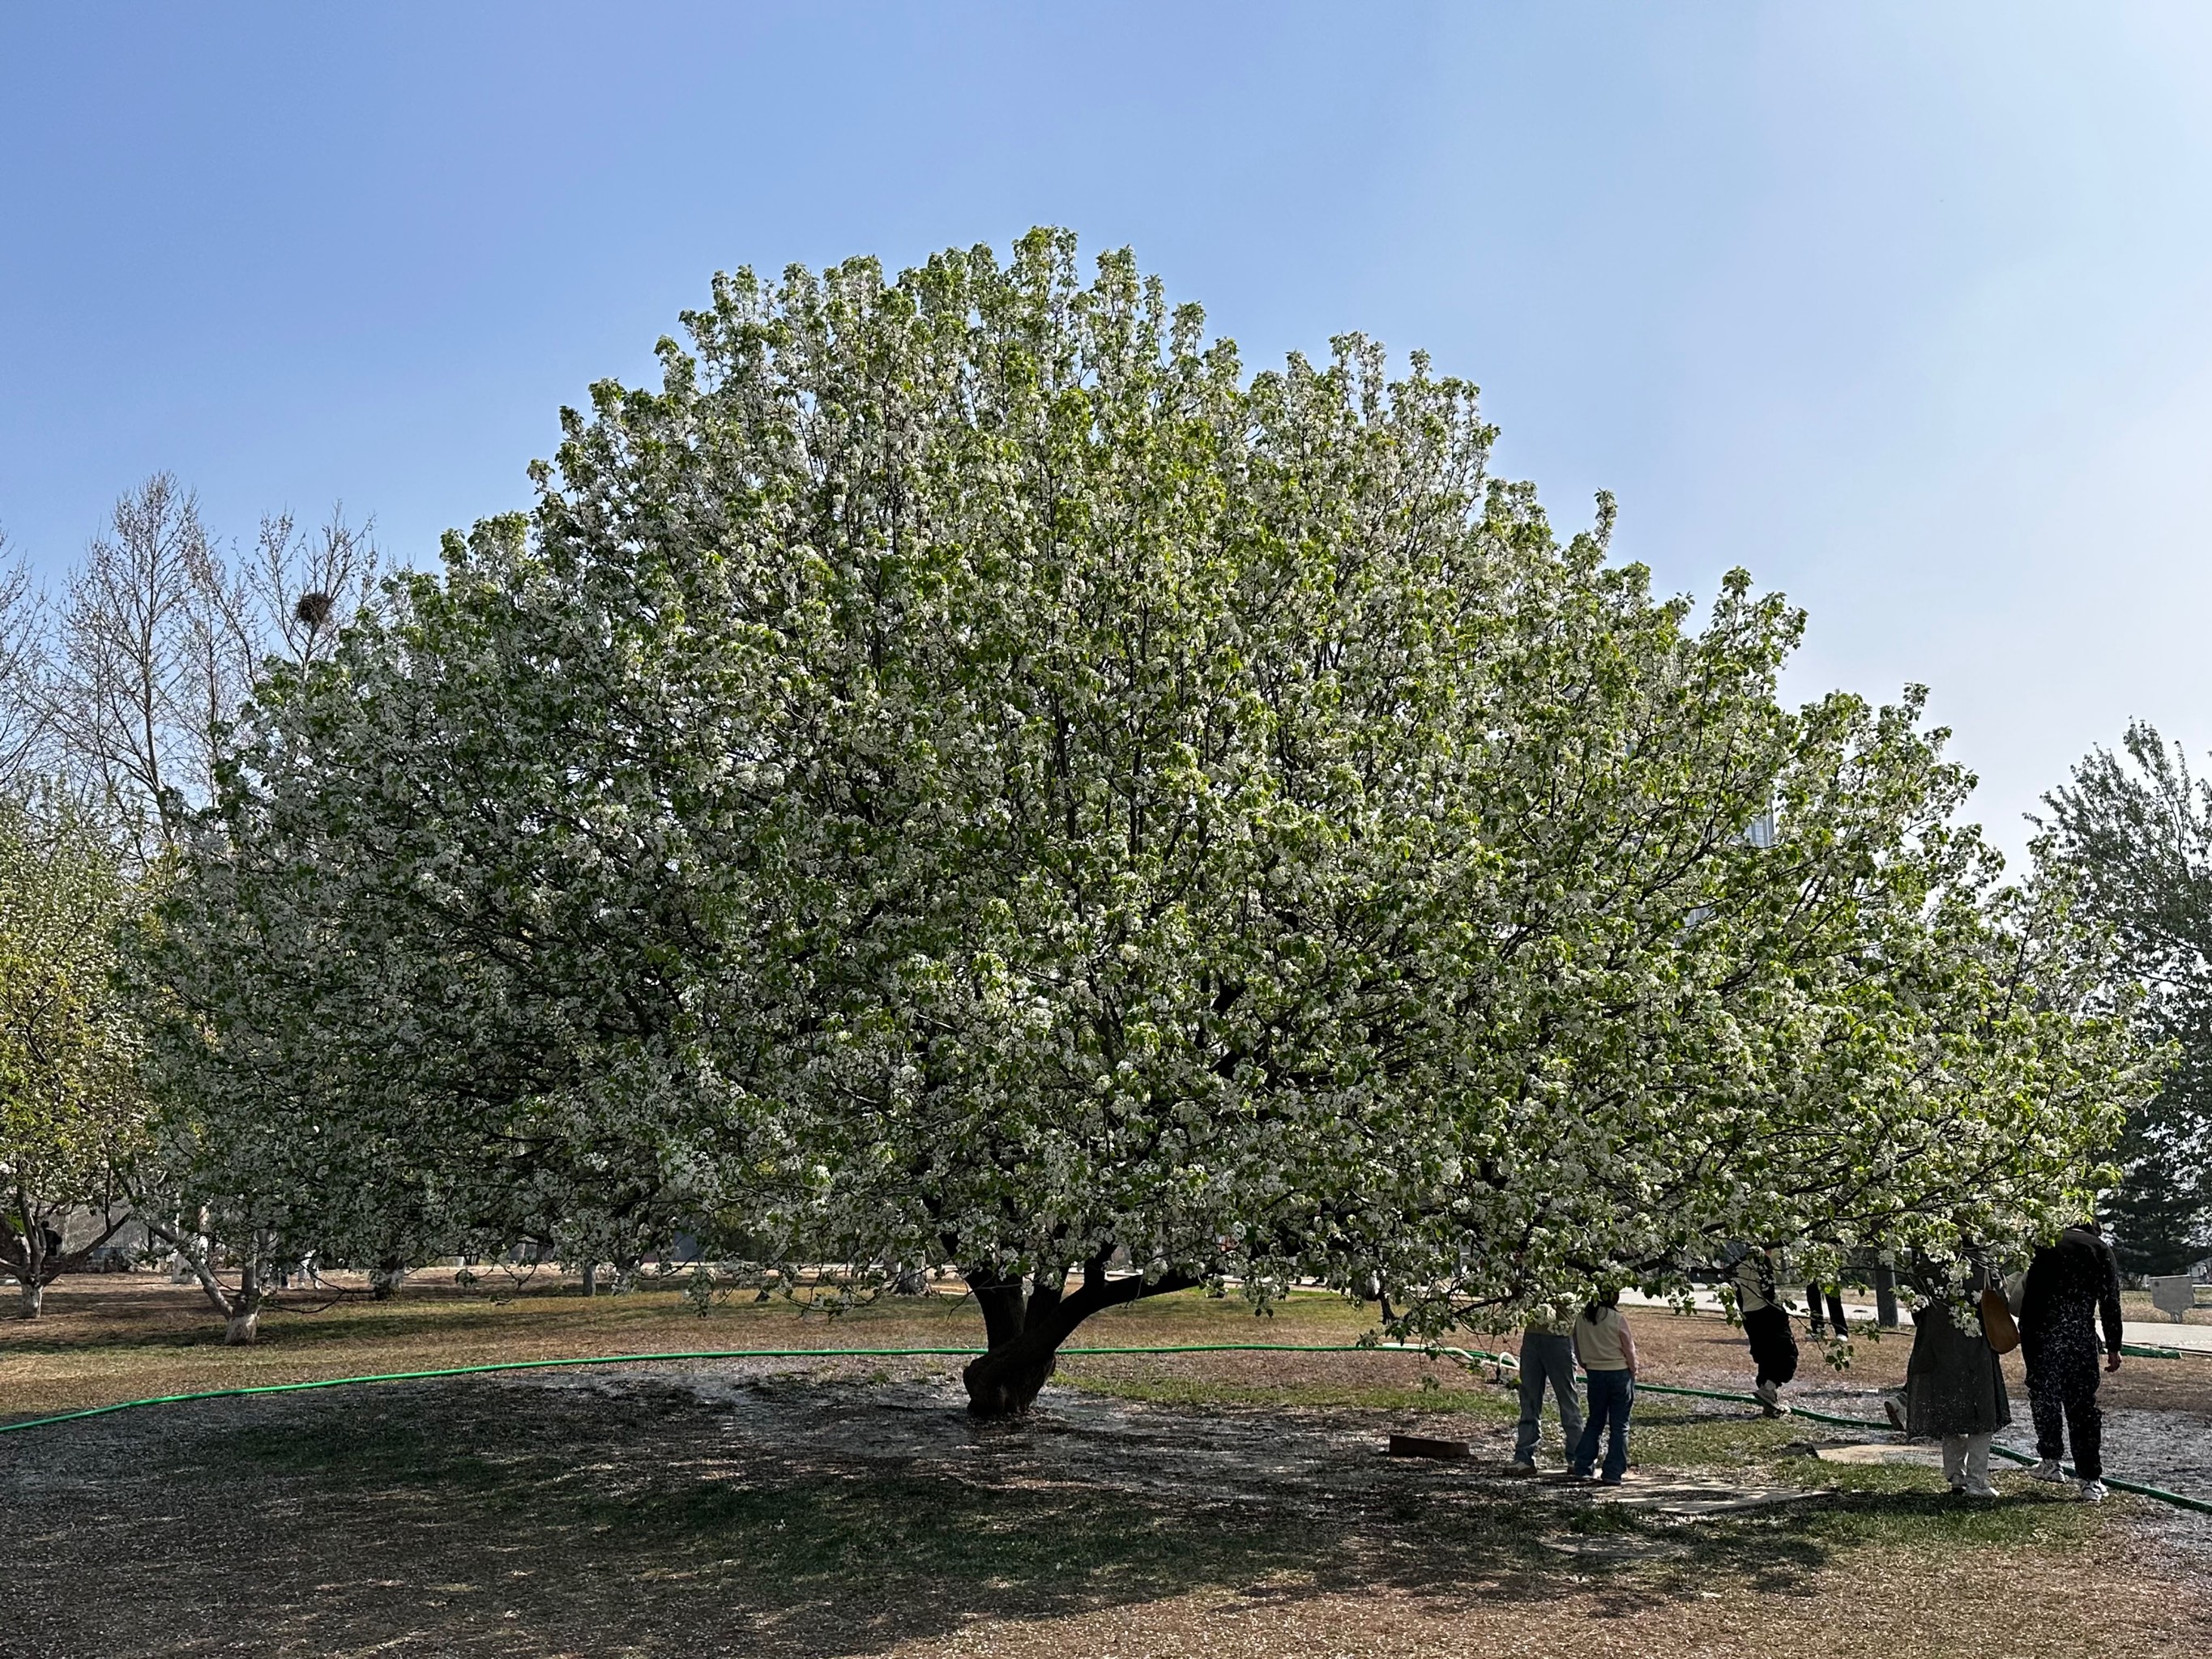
x,y
1867,1451
1694,1498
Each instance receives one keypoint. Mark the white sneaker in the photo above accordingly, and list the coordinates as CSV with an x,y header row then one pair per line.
x,y
2048,1469
1768,1393
1521,1465
1973,1489
2093,1492
1894,1409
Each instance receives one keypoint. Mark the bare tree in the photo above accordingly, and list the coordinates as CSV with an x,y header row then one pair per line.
x,y
306,587
161,638
138,678
26,697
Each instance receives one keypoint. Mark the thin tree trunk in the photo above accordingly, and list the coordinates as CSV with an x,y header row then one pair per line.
x,y
196,1257
243,1323
591,1278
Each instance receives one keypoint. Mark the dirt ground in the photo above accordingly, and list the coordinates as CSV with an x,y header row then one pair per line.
x,y
735,1509
1231,1503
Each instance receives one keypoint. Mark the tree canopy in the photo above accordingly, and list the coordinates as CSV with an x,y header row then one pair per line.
x,y
72,1115
2132,831
962,774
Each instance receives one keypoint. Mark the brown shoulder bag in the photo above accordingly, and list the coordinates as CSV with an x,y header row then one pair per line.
x,y
1997,1327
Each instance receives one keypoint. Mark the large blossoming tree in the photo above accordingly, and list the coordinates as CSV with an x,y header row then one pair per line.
x,y
962,774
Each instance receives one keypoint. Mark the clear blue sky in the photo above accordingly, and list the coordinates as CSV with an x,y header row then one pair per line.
x,y
1906,308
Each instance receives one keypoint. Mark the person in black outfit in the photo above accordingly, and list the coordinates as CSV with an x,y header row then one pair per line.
x,y
1767,1323
2069,1284
1816,1326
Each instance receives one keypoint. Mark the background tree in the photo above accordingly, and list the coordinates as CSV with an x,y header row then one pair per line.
x,y
26,697
141,684
437,961
157,645
114,710
161,636
2132,833
72,1119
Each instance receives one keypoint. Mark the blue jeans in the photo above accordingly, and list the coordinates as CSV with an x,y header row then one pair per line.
x,y
1611,1393
1546,1359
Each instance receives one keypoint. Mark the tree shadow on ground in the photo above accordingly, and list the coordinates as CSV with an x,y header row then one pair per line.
x,y
638,1515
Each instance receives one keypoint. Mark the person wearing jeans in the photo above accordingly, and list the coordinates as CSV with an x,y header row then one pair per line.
x,y
1608,1353
1547,1357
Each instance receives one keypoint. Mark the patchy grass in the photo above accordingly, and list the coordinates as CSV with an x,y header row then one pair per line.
x,y
1893,1507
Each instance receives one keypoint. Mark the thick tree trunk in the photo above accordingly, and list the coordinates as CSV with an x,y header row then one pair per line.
x,y
1023,1326
1007,1381
591,1278
34,1298
240,1330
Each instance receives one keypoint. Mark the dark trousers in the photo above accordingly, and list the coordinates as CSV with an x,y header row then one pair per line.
x,y
1835,1298
1771,1345
1611,1393
2062,1392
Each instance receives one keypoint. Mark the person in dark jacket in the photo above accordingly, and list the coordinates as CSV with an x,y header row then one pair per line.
x,y
2070,1285
1954,1391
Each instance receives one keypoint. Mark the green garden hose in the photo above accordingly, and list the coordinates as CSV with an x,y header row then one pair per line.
x,y
1470,1357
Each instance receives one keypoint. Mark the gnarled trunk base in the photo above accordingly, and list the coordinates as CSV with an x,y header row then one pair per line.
x,y
1024,1324
1007,1380
240,1329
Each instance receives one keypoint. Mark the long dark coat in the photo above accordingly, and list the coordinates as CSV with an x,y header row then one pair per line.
x,y
1953,1383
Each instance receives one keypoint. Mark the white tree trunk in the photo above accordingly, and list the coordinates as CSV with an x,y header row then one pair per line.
x,y
34,1298
245,1316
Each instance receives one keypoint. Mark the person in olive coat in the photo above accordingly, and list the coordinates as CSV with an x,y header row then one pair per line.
x,y
1954,1391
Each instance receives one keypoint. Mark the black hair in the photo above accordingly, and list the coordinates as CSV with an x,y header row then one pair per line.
x,y
1602,1299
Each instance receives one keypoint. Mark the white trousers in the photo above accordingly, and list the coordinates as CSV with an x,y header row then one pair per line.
x,y
1966,1461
